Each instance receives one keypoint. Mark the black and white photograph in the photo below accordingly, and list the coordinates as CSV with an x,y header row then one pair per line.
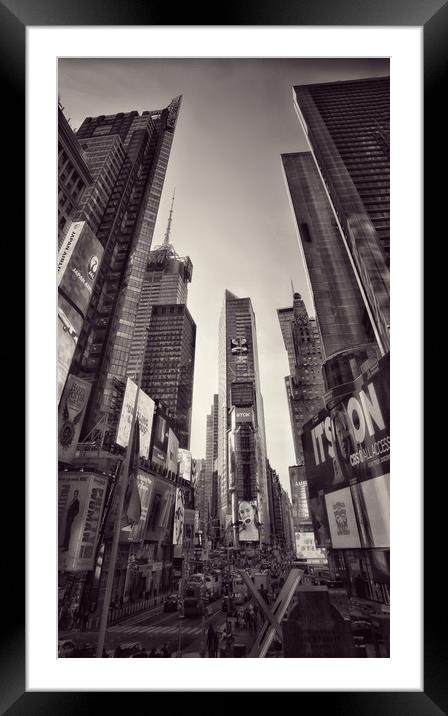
x,y
223,328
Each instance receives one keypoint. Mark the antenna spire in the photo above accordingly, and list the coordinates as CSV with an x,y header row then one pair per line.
x,y
292,288
166,239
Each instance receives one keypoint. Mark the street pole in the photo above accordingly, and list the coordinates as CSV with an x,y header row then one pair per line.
x,y
123,480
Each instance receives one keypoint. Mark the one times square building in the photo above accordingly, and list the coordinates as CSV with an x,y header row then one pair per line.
x,y
242,494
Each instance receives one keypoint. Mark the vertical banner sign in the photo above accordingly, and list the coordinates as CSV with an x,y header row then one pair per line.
x,y
71,414
80,504
178,527
342,520
145,414
144,485
78,261
184,464
172,452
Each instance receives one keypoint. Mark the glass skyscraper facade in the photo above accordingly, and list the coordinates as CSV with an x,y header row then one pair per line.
x,y
168,368
347,127
138,147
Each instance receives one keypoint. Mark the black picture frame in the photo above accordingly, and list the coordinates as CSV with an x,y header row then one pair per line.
x,y
15,17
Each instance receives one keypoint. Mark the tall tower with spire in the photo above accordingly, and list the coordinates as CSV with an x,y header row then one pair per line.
x,y
168,360
166,280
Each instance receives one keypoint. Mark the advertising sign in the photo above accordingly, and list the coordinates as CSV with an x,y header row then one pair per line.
x,y
69,328
244,415
319,519
178,527
342,520
372,503
80,504
306,548
172,452
185,461
360,424
249,523
78,261
351,442
160,440
71,414
145,414
144,485
238,346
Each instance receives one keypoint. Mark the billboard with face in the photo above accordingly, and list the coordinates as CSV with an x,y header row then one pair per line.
x,y
80,504
342,520
71,414
178,527
248,521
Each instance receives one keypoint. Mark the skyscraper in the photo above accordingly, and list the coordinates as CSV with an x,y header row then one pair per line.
x,y
347,128
168,368
242,497
165,282
211,456
304,385
135,177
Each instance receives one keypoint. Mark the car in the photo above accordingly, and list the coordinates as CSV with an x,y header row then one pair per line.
x,y
66,648
128,649
362,627
171,603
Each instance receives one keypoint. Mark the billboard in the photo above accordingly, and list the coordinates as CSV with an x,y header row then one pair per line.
x,y
160,439
136,532
319,519
184,457
80,504
249,523
178,527
71,414
69,327
238,346
372,503
79,259
306,548
145,414
352,440
172,452
342,520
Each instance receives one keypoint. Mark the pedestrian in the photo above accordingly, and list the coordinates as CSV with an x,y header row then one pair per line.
x,y
165,651
211,641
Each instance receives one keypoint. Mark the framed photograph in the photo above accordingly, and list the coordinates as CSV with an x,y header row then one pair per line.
x,y
232,95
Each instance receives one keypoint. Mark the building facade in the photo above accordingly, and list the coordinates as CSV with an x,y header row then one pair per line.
x,y
74,174
138,147
347,128
241,431
168,369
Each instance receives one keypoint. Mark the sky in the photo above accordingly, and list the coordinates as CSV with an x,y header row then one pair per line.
x,y
231,213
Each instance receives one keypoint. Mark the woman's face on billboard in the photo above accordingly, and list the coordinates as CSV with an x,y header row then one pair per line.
x,y
246,512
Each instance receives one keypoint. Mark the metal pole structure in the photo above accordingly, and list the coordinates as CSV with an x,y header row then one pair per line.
x,y
121,488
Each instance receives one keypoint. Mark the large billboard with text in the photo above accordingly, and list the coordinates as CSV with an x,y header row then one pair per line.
x,y
79,259
352,440
80,504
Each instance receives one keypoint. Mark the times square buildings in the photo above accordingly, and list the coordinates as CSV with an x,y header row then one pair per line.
x,y
339,194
